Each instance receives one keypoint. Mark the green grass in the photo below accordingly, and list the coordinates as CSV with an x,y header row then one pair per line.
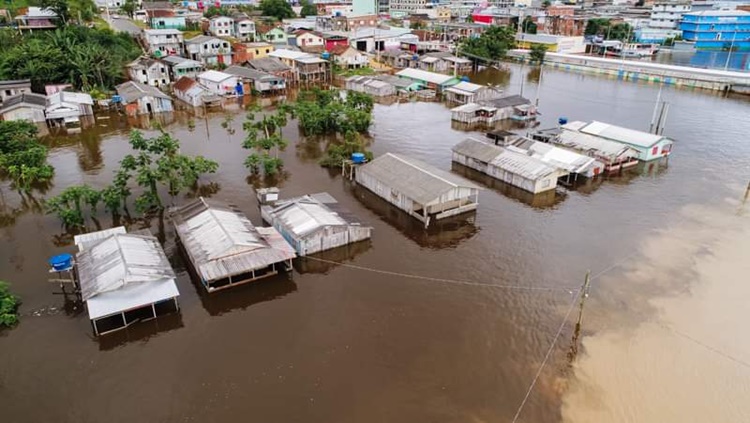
x,y
100,23
357,72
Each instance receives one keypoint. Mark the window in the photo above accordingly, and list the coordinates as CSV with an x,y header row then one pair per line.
x,y
655,151
8,92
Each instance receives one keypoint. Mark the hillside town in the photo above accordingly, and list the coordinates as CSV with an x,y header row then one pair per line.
x,y
368,205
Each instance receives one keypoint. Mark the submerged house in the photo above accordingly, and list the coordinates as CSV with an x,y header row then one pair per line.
x,y
421,190
124,278
615,156
140,99
649,146
219,83
224,248
512,167
576,164
256,80
491,111
428,80
370,85
466,92
10,88
194,94
180,66
314,223
26,106
65,108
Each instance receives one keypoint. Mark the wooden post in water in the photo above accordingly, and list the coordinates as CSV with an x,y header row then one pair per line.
x,y
747,193
584,295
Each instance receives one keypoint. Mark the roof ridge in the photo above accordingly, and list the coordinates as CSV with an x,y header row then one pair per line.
x,y
424,170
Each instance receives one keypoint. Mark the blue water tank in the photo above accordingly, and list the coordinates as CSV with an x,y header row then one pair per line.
x,y
116,99
338,13
61,262
562,120
358,158
325,55
464,79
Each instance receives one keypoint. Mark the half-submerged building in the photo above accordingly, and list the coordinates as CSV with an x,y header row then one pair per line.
x,y
124,278
421,190
224,247
314,223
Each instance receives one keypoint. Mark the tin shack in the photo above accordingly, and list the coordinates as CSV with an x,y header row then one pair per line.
x,y
421,190
224,247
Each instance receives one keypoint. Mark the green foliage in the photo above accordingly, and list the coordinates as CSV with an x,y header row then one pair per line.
x,y
68,205
280,9
546,3
596,26
22,158
84,57
537,53
157,162
417,25
528,26
493,44
336,153
212,11
8,306
263,137
129,7
327,111
308,9
604,28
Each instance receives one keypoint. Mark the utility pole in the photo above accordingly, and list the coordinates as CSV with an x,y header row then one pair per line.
x,y
584,295
656,107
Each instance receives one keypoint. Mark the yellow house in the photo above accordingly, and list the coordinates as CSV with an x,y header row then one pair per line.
x,y
259,50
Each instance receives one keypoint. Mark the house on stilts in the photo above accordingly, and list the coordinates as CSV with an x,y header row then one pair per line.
x,y
314,223
421,190
225,248
124,278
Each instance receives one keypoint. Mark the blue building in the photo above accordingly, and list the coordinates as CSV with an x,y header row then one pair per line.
x,y
717,29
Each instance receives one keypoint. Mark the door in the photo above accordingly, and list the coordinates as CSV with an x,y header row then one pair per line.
x,y
149,108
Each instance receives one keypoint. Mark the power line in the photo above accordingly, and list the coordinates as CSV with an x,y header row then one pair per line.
x,y
443,280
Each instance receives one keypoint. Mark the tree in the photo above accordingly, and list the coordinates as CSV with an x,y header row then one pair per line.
x,y
336,153
528,26
537,53
68,205
22,158
493,44
308,9
328,112
129,7
158,162
597,26
416,25
546,3
212,11
280,9
60,7
8,306
264,137
620,31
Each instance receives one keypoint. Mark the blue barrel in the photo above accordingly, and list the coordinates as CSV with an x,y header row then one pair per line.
x,y
326,55
358,158
562,120
61,261
116,99
464,79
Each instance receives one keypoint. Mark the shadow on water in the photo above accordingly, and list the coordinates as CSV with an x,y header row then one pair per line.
x,y
247,295
141,331
543,200
326,261
443,233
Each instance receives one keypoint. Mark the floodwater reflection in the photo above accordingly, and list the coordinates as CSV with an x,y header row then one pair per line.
x,y
326,261
244,296
140,331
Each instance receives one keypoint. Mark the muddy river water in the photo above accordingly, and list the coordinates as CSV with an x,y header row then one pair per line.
x,y
663,336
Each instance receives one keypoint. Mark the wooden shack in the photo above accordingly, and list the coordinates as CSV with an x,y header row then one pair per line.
x,y
224,247
314,223
514,168
421,190
615,156
466,92
124,278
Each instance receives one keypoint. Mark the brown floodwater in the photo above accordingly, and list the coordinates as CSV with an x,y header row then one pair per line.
x,y
336,342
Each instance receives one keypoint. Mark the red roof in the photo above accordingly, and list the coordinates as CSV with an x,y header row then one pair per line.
x,y
339,49
184,84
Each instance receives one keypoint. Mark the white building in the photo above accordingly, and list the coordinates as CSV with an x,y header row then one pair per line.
x,y
25,106
140,99
668,14
209,50
65,108
163,42
192,93
372,39
149,71
244,28
218,82
221,26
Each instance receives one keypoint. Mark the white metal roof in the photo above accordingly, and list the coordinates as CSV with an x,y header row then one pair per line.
x,y
417,180
289,54
305,215
465,88
622,135
214,76
222,242
420,75
476,149
554,156
162,31
522,165
83,241
123,271
592,144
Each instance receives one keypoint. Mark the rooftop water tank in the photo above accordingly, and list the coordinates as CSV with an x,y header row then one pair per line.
x,y
358,158
61,262
464,79
325,55
116,99
562,120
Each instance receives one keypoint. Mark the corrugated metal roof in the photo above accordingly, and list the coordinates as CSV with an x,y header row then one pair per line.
x,y
181,62
464,87
417,180
252,74
620,134
420,75
555,156
304,215
27,99
200,39
479,150
592,144
131,91
288,54
214,76
509,101
123,271
523,165
84,241
222,242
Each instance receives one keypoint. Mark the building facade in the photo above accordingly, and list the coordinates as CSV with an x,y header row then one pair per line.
x,y
717,29
221,26
667,15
